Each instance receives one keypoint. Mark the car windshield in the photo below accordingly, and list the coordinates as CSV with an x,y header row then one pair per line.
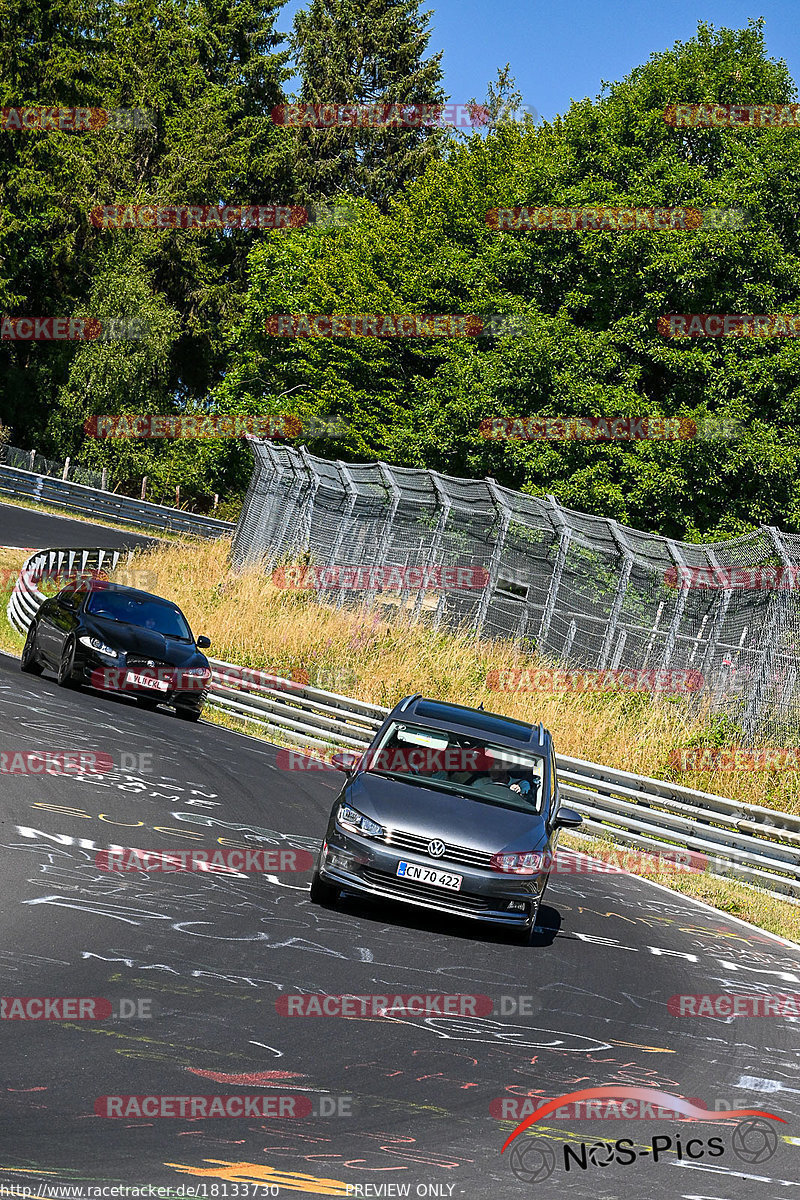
x,y
141,611
451,762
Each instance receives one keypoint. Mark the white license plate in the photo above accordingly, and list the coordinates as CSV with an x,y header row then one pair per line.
x,y
147,681
442,879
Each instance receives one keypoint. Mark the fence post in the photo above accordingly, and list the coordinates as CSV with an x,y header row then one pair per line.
x,y
565,537
31,460
680,605
503,513
65,471
619,597
778,610
308,510
144,487
350,490
388,525
715,631
104,480
445,504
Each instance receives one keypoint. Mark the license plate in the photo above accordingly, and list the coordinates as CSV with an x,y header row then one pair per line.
x,y
147,681
442,879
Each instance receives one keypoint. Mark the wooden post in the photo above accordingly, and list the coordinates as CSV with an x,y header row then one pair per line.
x,y
144,487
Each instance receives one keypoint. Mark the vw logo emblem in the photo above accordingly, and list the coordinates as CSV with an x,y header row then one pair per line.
x,y
150,662
436,849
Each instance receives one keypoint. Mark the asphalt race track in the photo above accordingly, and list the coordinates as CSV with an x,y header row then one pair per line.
x,y
410,1093
27,527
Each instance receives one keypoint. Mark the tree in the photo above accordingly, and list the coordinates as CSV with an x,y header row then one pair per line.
x,y
364,53
592,302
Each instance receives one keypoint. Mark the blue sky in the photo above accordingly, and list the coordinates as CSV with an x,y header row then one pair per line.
x,y
561,50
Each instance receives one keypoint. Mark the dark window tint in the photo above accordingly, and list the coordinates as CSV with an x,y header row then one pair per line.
x,y
143,612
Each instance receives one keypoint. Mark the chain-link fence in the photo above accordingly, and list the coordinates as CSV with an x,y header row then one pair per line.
x,y
583,591
31,460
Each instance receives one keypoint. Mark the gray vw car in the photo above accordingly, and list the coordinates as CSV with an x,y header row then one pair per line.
x,y
450,808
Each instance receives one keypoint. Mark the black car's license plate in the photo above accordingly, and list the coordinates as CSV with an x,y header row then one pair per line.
x,y
442,879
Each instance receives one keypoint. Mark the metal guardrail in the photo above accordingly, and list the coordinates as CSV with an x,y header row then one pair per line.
x,y
745,842
75,497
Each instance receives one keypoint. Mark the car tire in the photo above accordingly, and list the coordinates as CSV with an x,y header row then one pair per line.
x,y
188,714
322,892
29,662
65,677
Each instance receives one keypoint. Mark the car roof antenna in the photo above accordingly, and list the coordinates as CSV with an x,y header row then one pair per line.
x,y
480,707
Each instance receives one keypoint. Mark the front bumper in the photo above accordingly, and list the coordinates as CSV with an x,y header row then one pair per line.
x,y
96,672
361,865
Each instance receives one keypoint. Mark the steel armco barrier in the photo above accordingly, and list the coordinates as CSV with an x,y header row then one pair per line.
x,y
745,842
75,497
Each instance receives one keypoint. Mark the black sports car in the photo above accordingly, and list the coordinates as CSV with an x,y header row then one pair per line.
x,y
119,639
450,808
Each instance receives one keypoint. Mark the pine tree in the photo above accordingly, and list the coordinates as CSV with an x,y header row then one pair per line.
x,y
364,52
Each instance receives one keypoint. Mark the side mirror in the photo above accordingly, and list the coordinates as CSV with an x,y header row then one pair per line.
x,y
567,818
203,643
346,760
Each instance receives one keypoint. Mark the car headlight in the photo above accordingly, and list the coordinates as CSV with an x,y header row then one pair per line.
x,y
351,818
528,863
200,672
99,647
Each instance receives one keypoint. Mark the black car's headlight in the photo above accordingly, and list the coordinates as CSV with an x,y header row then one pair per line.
x,y
99,647
350,818
200,672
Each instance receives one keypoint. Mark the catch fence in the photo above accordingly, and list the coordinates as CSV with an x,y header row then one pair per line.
x,y
582,591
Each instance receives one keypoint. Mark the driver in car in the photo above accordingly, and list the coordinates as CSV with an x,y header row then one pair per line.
x,y
501,776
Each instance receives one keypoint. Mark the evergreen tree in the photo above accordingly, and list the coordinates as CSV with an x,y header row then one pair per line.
x,y
364,52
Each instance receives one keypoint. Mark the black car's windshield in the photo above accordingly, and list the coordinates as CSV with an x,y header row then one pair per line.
x,y
450,762
140,611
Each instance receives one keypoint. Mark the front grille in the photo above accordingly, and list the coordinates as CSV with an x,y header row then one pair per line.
x,y
465,856
422,891
142,665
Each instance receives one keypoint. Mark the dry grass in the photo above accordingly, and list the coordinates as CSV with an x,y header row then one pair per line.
x,y
380,657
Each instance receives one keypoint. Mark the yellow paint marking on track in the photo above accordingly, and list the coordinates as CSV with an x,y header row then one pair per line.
x,y
255,1173
647,1049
